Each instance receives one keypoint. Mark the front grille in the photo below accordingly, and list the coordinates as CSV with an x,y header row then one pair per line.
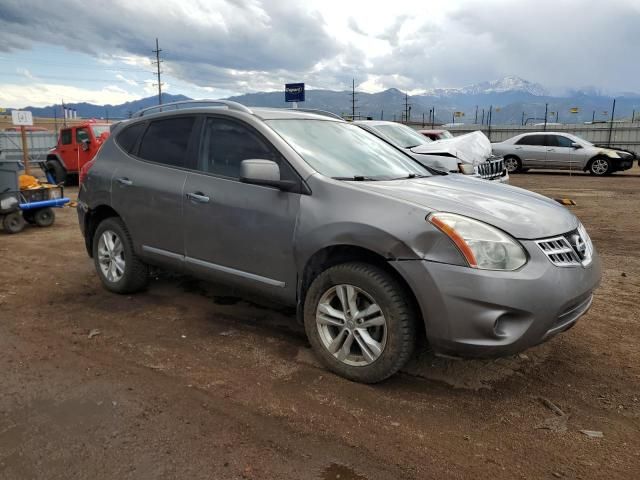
x,y
568,250
492,168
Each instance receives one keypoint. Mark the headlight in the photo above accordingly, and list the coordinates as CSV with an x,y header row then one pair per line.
x,y
483,246
466,169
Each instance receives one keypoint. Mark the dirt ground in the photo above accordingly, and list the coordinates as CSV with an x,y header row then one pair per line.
x,y
189,381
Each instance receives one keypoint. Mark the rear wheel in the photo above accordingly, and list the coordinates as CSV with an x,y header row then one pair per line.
x,y
13,222
513,164
44,217
119,268
600,166
360,322
57,171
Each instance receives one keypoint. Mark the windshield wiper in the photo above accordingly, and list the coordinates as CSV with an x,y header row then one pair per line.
x,y
410,175
357,178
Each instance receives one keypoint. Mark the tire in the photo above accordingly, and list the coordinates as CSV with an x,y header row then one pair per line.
x,y
600,166
390,337
44,217
57,171
120,271
513,164
13,222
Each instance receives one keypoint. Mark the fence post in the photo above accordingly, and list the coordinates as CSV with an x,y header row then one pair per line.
x,y
613,111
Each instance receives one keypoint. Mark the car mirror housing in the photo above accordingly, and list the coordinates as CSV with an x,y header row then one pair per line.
x,y
265,173
576,145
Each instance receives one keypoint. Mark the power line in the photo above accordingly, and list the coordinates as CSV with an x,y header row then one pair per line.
x,y
157,63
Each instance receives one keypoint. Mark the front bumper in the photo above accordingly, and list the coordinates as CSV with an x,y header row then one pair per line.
x,y
482,313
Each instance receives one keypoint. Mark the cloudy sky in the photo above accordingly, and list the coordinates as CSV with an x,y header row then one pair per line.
x,y
99,51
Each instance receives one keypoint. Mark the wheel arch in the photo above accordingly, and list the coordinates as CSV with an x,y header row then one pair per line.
x,y
337,254
587,166
92,219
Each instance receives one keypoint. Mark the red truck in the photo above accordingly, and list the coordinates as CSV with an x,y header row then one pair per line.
x,y
76,146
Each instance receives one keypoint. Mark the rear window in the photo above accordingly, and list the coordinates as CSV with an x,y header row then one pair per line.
x,y
128,138
166,141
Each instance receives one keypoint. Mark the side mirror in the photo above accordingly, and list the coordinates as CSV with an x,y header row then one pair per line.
x,y
576,145
265,173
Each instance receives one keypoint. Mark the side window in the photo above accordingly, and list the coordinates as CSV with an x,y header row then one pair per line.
x,y
65,137
537,140
128,138
226,143
561,141
82,134
166,141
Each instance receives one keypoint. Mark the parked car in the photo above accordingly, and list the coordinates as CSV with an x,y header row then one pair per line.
x,y
77,145
468,154
314,212
555,150
436,134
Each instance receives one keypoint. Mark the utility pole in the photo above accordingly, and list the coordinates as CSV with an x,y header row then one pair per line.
x,y
381,114
546,111
433,117
407,108
157,63
353,99
522,121
633,116
106,114
422,119
475,122
593,117
482,122
613,111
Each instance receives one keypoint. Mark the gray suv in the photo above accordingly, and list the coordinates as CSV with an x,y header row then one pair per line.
x,y
370,246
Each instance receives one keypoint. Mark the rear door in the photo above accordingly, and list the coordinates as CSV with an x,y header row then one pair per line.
x,y
66,148
147,186
531,150
560,152
238,233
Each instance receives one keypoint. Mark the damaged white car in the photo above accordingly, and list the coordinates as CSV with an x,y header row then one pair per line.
x,y
564,151
468,154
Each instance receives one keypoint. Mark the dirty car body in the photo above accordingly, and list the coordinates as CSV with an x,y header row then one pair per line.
x,y
468,154
363,240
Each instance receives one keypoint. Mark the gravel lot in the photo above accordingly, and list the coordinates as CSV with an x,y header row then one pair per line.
x,y
189,381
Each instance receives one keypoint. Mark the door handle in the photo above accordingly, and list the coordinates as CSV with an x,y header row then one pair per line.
x,y
124,181
518,148
198,197
551,150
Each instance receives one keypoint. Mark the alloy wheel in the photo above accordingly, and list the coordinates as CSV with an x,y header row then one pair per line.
x,y
600,166
511,164
351,325
111,256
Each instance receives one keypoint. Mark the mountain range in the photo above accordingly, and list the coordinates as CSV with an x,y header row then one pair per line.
x,y
512,100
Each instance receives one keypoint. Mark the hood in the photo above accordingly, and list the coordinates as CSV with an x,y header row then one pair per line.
x,y
473,148
521,213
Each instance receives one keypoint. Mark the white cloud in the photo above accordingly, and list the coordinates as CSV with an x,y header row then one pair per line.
x,y
43,94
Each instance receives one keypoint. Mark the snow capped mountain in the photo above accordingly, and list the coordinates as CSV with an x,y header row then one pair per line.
x,y
509,83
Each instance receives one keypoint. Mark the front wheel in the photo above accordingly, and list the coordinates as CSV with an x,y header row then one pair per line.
x,y
44,217
360,322
600,166
119,268
13,222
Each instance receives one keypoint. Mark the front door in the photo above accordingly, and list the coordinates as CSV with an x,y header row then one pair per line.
x,y
147,189
83,147
66,146
560,152
238,233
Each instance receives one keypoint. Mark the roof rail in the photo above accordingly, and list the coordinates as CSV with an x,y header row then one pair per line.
x,y
319,112
192,104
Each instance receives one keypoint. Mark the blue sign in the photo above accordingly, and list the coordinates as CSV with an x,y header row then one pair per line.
x,y
294,92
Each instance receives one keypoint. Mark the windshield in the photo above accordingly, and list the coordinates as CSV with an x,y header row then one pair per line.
x,y
401,135
342,150
99,130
